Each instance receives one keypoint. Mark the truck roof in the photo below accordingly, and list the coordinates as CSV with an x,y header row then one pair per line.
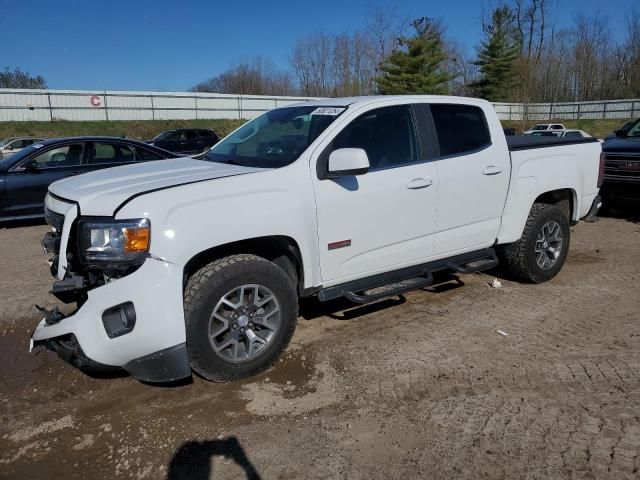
x,y
366,100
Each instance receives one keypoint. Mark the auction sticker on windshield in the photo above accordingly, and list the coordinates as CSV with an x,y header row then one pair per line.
x,y
328,111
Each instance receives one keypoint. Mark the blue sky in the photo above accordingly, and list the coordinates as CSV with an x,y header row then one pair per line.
x,y
171,45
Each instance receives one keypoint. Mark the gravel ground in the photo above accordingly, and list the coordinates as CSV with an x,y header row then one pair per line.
x,y
416,387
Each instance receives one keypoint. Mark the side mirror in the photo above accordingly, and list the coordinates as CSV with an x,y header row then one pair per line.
x,y
621,133
347,161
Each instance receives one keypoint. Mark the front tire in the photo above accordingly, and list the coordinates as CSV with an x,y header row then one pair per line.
x,y
542,250
240,314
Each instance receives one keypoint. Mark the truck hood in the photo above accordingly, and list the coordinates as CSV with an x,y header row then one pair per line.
x,y
101,192
630,145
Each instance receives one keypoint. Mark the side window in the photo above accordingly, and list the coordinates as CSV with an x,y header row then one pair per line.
x,y
110,153
387,135
176,137
145,155
556,127
460,128
67,156
205,134
18,144
190,135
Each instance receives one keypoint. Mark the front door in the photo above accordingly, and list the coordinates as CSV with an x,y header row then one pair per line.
x,y
382,220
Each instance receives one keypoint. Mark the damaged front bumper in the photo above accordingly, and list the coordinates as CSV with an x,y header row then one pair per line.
x,y
135,322
152,349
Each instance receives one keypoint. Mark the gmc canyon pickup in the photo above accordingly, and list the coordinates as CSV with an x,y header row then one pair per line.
x,y
198,264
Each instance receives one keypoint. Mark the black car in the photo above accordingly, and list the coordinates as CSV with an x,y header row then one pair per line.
x,y
622,165
186,141
26,175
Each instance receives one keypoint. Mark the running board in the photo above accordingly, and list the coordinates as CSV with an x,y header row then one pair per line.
x,y
393,283
476,265
390,290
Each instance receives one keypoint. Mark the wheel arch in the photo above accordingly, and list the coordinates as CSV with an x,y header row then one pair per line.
x,y
565,198
279,249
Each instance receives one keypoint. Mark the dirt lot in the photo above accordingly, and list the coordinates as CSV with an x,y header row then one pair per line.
x,y
418,387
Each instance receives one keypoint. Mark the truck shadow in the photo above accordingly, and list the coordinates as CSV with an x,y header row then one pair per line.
x,y
629,212
194,460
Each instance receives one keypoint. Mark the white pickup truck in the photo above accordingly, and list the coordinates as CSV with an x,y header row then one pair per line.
x,y
198,264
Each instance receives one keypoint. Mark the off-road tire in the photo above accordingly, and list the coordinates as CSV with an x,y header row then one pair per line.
x,y
519,258
207,286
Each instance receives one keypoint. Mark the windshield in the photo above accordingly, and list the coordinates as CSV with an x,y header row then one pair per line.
x,y
276,138
634,131
4,142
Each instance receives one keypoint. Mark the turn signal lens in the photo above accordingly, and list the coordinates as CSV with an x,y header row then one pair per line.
x,y
136,239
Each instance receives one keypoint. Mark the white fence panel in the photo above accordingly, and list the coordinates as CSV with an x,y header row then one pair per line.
x,y
52,105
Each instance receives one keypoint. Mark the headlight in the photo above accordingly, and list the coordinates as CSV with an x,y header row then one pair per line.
x,y
114,242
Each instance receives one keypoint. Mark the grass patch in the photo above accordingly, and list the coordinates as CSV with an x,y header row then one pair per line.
x,y
146,129
598,128
138,129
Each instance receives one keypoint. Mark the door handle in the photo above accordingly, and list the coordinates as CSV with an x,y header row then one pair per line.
x,y
417,183
491,170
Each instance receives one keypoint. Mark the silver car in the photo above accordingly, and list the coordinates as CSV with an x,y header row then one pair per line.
x,y
12,145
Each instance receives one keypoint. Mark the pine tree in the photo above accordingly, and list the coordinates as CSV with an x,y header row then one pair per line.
x,y
497,57
417,67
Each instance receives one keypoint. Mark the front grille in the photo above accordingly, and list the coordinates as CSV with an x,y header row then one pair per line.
x,y
622,166
54,219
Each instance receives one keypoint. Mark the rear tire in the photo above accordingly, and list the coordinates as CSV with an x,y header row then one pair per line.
x,y
542,250
240,313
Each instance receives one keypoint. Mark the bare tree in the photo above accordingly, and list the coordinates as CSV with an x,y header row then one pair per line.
x,y
256,77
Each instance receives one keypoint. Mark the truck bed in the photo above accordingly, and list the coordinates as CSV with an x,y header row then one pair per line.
x,y
526,142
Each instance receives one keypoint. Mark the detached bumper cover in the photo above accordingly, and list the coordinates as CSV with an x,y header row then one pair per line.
x,y
155,289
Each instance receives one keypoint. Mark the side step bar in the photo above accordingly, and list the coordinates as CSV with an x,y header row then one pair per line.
x,y
393,283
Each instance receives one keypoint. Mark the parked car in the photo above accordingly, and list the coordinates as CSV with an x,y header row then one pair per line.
x,y
622,165
622,130
200,264
186,141
566,133
541,127
25,176
11,146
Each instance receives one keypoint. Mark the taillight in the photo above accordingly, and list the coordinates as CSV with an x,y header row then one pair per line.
x,y
601,170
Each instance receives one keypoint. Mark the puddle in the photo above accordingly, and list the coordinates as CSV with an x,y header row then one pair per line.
x,y
15,359
292,371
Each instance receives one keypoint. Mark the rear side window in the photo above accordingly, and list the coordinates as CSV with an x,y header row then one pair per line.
x,y
190,135
205,133
557,127
110,153
460,128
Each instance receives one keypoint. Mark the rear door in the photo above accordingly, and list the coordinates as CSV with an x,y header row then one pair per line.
x,y
27,182
473,177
